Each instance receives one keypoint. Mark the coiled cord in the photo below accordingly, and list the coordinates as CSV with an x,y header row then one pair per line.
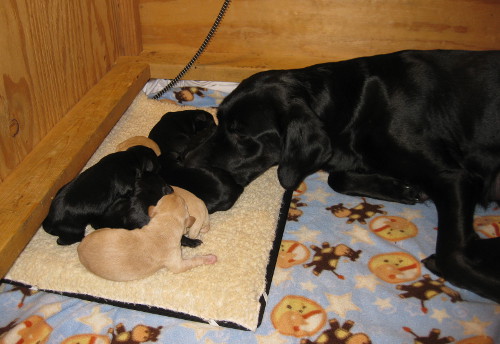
x,y
202,47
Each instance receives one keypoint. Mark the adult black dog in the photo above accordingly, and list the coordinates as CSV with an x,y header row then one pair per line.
x,y
178,133
394,127
115,192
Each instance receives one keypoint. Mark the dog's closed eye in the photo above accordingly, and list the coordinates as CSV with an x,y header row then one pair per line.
x,y
238,133
244,144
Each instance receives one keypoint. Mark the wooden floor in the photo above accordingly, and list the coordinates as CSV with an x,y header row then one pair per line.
x,y
216,66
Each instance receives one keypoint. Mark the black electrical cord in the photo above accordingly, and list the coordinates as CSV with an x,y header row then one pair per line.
x,y
210,34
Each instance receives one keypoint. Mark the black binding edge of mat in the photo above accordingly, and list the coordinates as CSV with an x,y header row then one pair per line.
x,y
273,256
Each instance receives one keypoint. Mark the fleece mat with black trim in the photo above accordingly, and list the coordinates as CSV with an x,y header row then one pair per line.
x,y
231,292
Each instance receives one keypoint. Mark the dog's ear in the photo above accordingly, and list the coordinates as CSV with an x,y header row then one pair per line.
x,y
305,147
190,221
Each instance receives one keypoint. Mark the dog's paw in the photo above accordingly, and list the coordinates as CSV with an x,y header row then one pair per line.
x,y
484,253
188,242
431,265
466,274
409,194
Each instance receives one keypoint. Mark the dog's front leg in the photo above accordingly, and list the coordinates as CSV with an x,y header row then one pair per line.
x,y
455,196
375,186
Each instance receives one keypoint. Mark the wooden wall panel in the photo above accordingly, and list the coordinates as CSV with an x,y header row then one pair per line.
x,y
128,27
51,53
26,193
262,34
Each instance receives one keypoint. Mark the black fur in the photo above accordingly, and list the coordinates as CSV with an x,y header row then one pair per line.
x,y
116,192
131,210
399,127
178,133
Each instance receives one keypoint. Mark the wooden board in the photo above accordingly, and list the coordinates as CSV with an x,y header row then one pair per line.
x,y
260,34
26,193
52,53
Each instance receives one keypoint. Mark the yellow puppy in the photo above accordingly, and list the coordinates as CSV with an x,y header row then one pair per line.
x,y
197,209
122,255
138,141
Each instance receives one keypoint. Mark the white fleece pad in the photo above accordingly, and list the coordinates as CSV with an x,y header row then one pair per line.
x,y
229,292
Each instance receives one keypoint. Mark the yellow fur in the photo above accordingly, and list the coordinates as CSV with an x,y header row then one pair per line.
x,y
123,255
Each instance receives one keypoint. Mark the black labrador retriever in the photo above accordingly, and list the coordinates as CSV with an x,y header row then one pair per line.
x,y
115,192
400,127
180,132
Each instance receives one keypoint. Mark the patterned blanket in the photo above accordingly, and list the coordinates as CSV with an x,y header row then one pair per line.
x,y
348,272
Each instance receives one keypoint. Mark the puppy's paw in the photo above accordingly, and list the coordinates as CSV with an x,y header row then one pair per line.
x,y
66,241
189,242
205,228
209,259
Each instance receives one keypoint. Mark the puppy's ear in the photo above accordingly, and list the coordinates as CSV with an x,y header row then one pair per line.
x,y
306,147
190,221
203,120
146,158
138,141
151,211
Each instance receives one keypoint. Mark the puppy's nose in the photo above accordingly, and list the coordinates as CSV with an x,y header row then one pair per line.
x,y
167,189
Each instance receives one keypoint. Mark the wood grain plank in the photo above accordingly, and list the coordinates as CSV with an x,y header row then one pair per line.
x,y
256,34
26,193
52,53
215,66
128,26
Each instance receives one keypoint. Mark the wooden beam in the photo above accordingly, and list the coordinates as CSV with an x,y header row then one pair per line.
x,y
25,195
216,66
262,34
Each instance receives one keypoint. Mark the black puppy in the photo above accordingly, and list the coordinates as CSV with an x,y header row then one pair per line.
x,y
393,127
178,133
131,211
115,192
